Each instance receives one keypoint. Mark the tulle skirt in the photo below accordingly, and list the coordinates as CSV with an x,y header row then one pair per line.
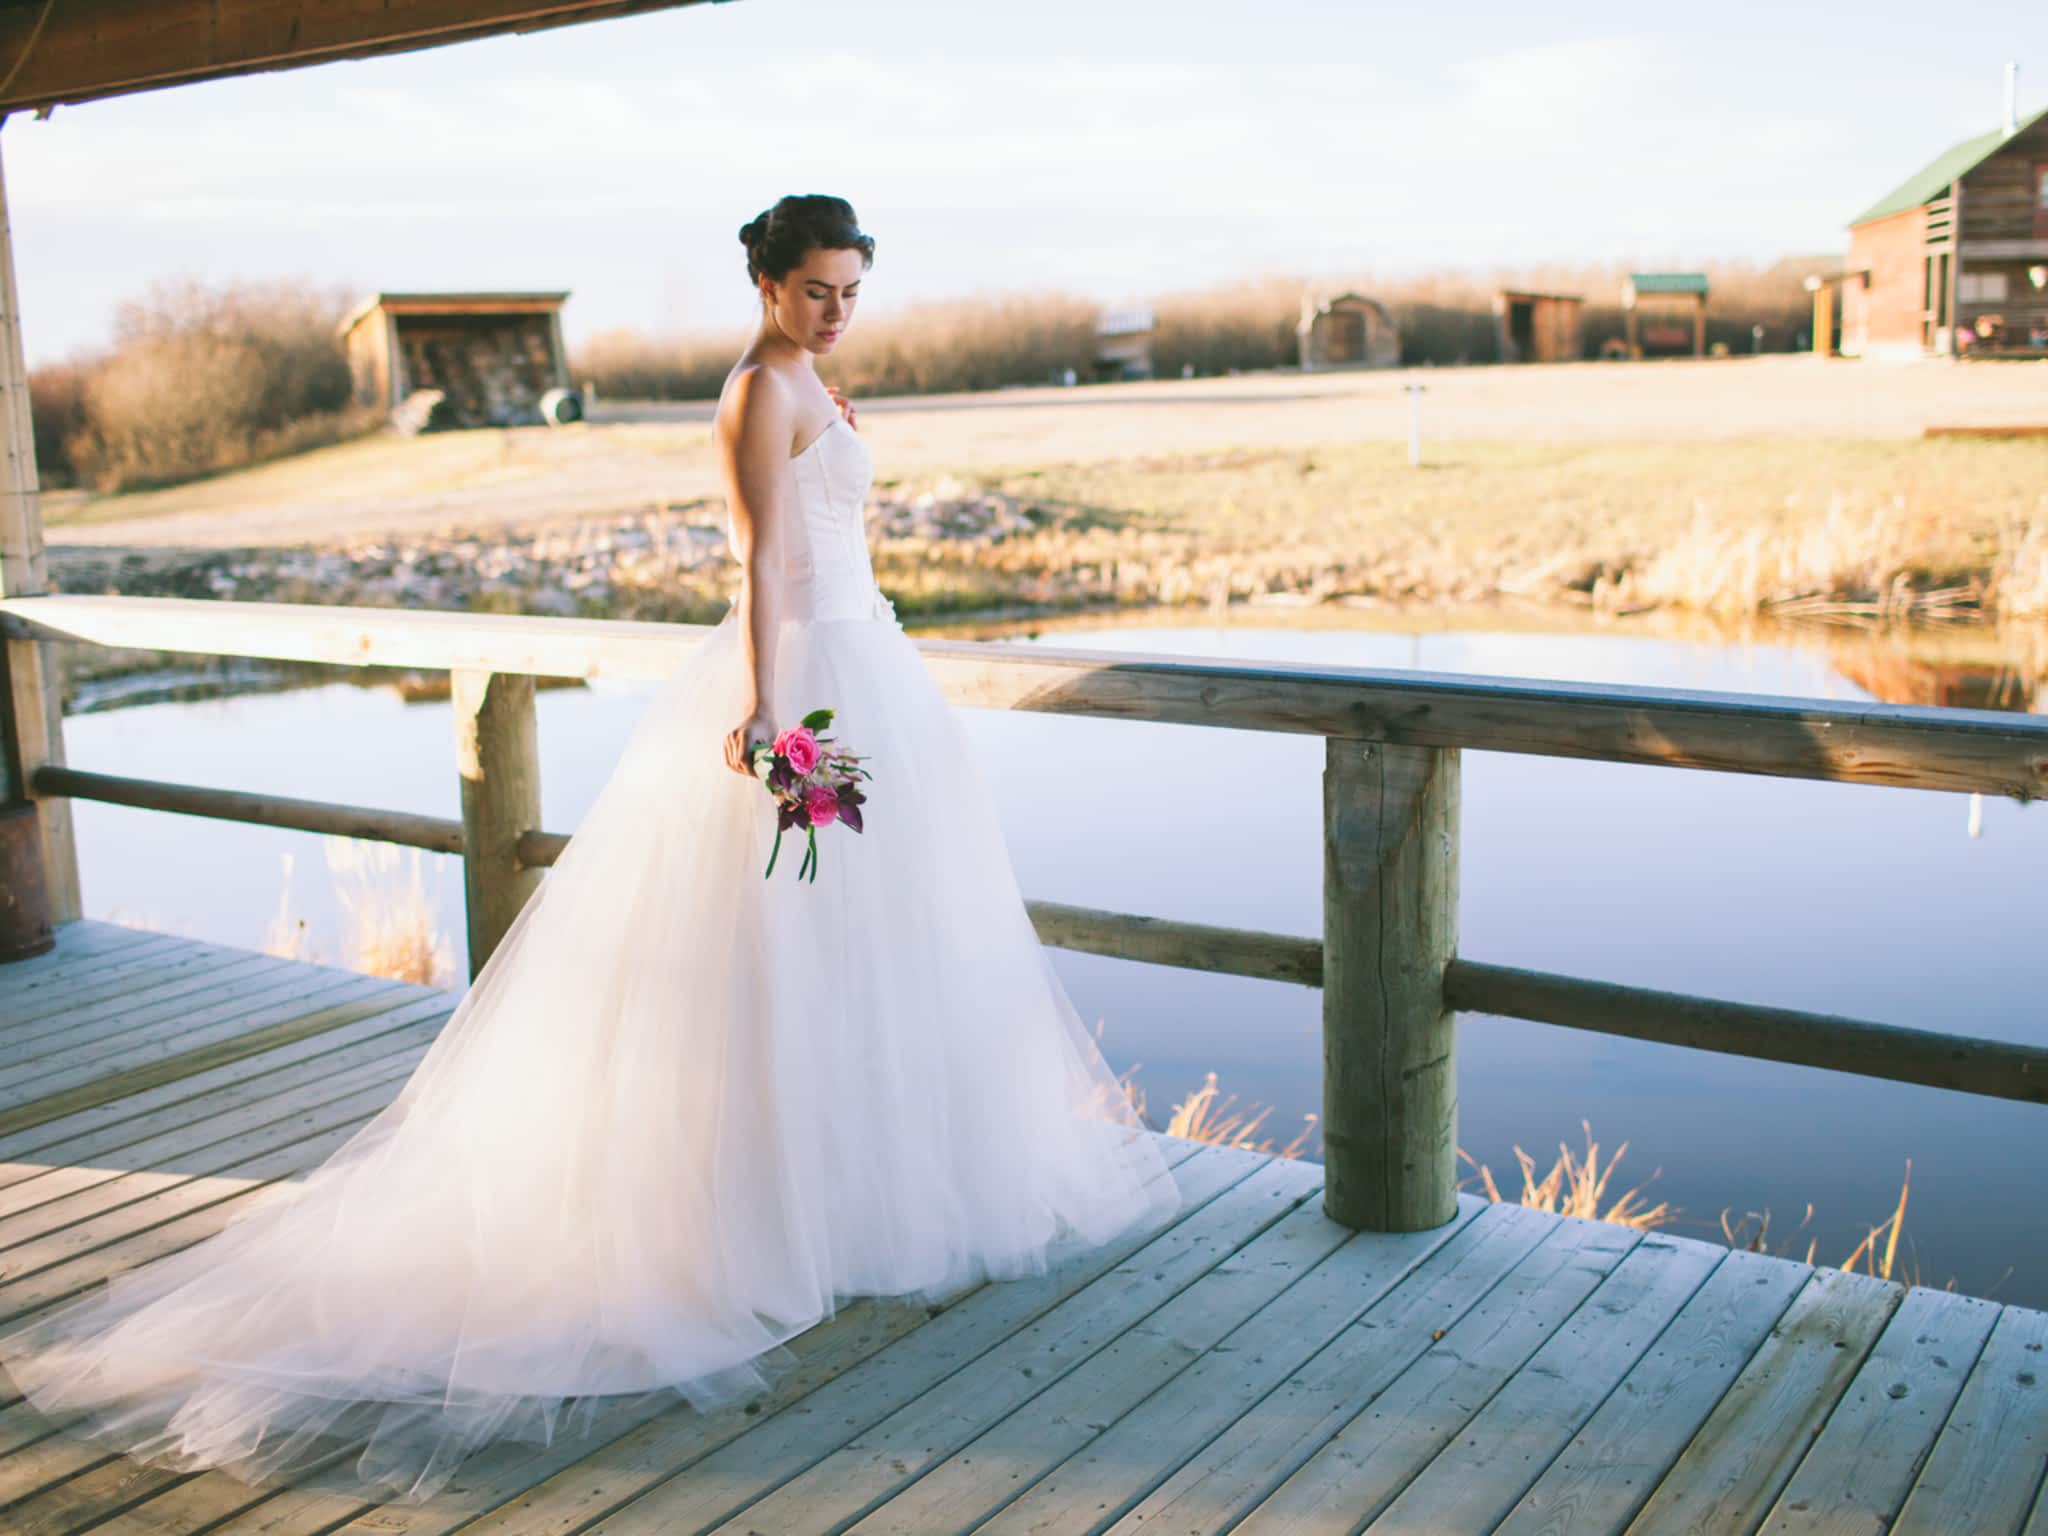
x,y
681,1113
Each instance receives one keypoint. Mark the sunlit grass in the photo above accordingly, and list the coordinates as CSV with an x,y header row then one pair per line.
x,y
389,920
1576,1185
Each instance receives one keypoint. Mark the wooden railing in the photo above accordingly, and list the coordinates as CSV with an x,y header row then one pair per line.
x,y
1387,959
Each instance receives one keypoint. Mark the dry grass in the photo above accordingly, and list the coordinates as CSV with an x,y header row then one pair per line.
x,y
1577,1186
1878,1252
389,922
1884,530
985,343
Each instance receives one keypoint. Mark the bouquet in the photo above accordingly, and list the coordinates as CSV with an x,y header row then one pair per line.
x,y
815,783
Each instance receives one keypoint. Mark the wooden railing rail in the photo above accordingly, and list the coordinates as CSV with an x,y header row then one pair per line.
x,y
1387,960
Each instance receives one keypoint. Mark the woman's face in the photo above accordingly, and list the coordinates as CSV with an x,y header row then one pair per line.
x,y
813,305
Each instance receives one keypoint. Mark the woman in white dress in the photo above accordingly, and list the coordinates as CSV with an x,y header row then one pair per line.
x,y
683,1111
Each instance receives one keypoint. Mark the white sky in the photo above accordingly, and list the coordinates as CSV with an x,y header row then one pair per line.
x,y
1117,150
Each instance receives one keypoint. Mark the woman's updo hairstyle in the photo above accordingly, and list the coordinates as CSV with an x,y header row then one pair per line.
x,y
778,240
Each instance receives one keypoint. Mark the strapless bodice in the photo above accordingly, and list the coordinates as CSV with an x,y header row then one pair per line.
x,y
826,573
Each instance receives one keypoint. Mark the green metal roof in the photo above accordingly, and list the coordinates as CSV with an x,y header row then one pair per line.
x,y
1668,282
1933,178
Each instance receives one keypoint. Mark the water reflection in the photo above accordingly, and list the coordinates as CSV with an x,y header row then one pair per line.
x,y
1852,899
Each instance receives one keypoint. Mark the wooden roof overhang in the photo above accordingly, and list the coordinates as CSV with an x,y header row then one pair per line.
x,y
454,304
55,52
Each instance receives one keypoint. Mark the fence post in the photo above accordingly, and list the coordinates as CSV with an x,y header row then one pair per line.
x,y
497,752
43,857
1390,927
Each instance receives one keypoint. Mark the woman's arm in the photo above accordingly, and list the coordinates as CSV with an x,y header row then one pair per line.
x,y
756,452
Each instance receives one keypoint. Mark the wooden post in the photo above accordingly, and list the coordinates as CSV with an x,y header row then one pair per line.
x,y
31,671
1824,320
497,753
1390,927
1699,325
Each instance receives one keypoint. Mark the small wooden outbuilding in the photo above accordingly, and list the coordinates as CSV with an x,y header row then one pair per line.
x,y
1123,344
1666,290
1539,327
1347,330
492,357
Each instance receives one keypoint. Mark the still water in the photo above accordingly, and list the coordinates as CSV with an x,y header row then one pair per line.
x,y
1895,905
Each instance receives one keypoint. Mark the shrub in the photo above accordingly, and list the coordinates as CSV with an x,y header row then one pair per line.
x,y
201,380
56,396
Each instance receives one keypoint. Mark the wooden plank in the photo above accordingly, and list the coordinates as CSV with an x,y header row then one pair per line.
x,y
766,1484
570,1497
153,1007
1599,1481
961,1490
1354,1475
68,1068
1289,1291
157,996
162,1104
123,1141
48,1459
78,944
400,1006
1855,1479
72,1262
1745,1453
85,49
1988,1464
1273,1436
498,1475
76,985
1995,1068
1473,1483
116,1210
66,1195
1390,925
1912,745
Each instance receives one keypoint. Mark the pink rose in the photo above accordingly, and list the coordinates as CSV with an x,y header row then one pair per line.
x,y
823,804
799,746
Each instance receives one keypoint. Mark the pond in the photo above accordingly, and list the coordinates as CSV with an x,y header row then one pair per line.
x,y
1904,906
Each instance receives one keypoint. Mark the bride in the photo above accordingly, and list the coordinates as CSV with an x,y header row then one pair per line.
x,y
682,1111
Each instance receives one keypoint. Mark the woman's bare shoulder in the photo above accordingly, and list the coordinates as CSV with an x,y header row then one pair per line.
x,y
756,402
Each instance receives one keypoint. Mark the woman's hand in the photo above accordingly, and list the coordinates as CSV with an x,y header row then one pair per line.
x,y
845,405
757,727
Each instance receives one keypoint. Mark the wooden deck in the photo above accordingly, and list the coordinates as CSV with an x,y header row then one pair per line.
x,y
1251,1367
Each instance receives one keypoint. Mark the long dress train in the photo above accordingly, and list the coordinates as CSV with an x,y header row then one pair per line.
x,y
680,1114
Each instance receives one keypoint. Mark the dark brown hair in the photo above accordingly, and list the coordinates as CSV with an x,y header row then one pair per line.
x,y
777,241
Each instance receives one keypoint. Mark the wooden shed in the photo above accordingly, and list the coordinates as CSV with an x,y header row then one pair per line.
x,y
1539,327
1347,330
1669,294
490,356
1123,344
1954,259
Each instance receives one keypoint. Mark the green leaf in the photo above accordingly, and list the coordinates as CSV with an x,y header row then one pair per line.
x,y
817,720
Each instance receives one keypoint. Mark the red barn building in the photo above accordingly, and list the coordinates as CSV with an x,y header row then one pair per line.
x,y
1955,258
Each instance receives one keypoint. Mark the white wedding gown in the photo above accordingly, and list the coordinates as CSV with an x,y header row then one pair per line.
x,y
680,1114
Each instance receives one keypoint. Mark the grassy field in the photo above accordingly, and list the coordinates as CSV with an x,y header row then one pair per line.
x,y
1724,485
